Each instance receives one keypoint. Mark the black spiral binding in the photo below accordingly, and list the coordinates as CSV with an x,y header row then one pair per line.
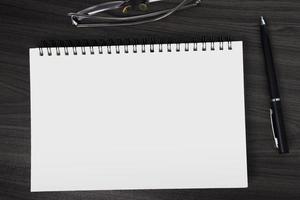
x,y
101,46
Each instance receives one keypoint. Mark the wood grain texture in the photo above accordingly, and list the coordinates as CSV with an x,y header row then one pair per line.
x,y
271,176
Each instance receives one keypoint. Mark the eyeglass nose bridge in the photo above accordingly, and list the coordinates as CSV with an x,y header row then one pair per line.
x,y
141,5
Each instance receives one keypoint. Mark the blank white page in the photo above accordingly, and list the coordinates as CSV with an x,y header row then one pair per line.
x,y
161,120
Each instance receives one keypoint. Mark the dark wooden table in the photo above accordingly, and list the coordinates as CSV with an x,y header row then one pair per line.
x,y
271,176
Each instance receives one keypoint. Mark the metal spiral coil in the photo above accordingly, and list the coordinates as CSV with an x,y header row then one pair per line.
x,y
70,48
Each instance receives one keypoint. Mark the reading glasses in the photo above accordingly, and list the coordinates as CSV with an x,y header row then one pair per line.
x,y
128,12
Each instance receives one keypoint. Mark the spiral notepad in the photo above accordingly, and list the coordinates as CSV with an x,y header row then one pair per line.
x,y
140,116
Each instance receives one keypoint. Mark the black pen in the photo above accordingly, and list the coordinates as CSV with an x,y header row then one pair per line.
x,y
275,110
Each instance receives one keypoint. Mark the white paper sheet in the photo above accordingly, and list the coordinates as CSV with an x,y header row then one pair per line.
x,y
162,120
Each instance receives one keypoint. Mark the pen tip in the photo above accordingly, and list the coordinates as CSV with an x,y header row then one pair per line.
x,y
262,20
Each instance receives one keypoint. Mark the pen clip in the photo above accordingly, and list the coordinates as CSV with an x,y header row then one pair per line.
x,y
272,126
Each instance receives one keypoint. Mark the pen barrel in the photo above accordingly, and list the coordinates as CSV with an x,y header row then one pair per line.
x,y
278,126
269,65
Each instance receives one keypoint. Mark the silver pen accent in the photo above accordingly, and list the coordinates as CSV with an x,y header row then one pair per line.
x,y
275,99
272,126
